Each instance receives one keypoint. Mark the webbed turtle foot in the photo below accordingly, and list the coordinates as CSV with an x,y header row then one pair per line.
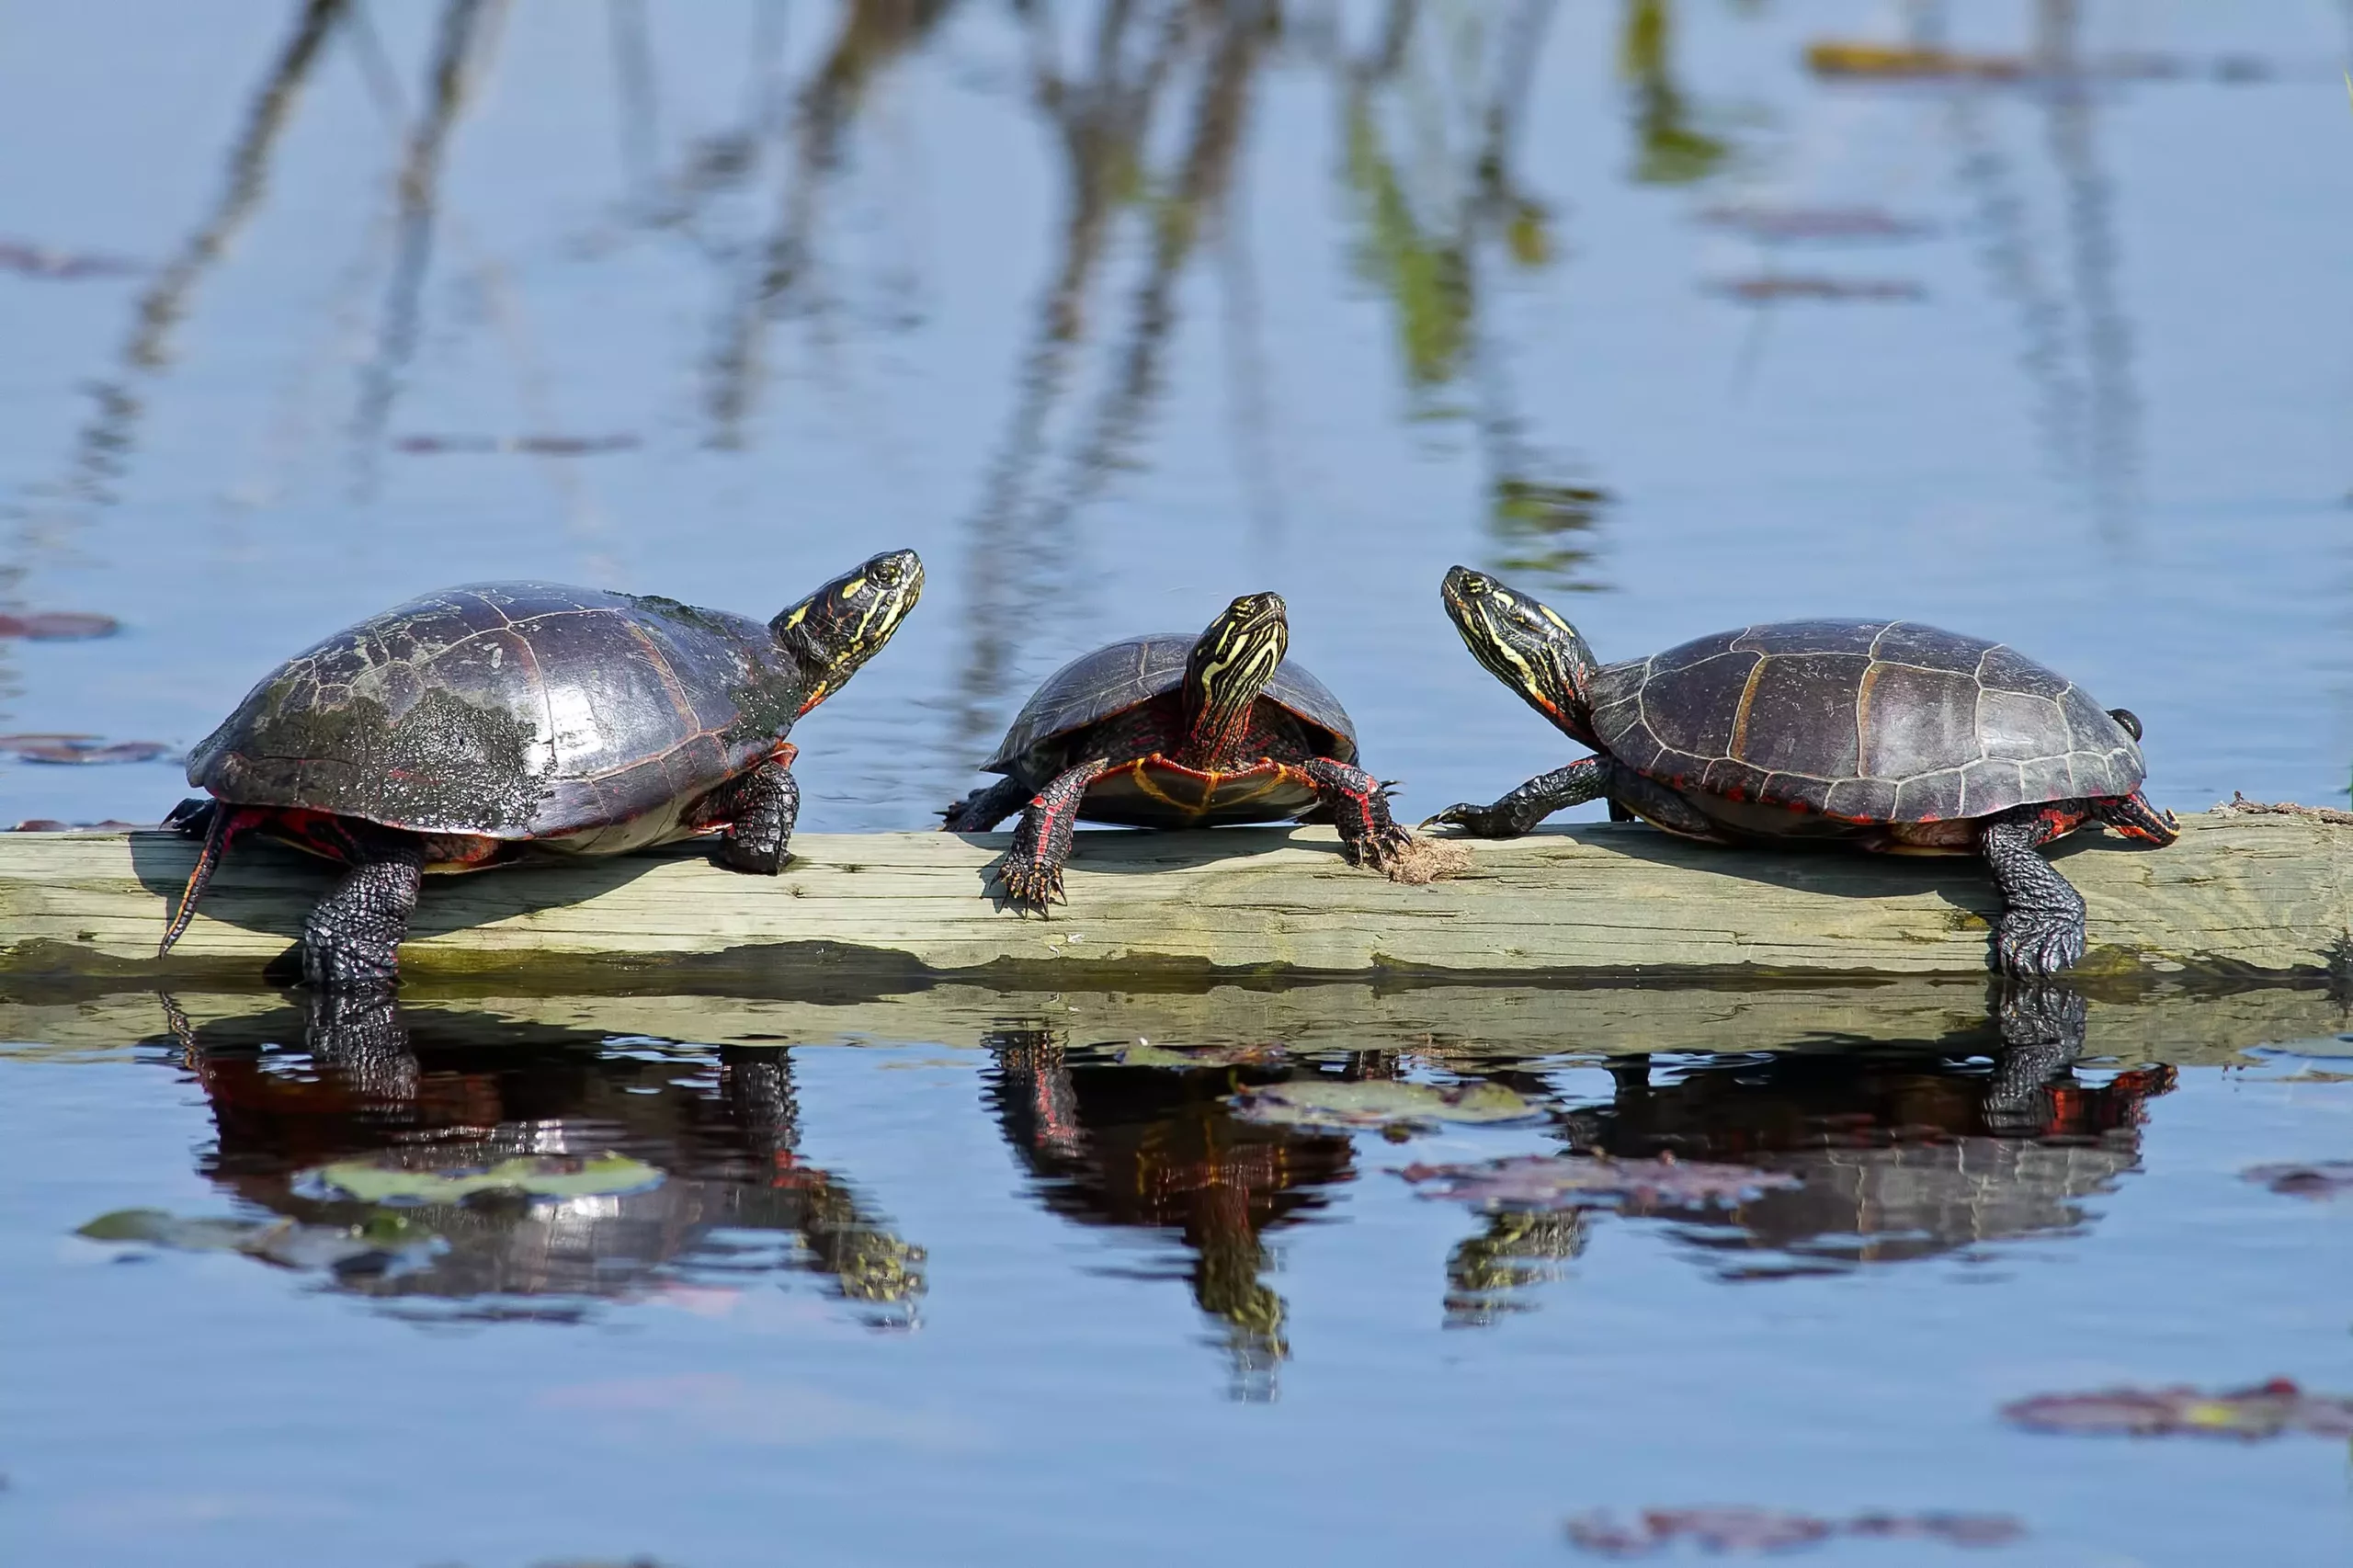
x,y
2033,943
1031,883
1379,849
763,859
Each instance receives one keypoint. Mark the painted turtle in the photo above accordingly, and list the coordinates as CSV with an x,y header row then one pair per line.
x,y
463,728
1886,734
1175,731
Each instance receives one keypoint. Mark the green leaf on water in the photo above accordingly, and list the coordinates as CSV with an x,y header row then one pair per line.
x,y
154,1227
536,1175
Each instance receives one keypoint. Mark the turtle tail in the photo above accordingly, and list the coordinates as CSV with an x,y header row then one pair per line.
x,y
221,825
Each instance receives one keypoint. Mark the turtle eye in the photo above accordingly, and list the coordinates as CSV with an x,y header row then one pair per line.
x,y
885,571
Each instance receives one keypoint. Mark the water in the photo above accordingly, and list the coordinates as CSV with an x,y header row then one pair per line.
x,y
1113,320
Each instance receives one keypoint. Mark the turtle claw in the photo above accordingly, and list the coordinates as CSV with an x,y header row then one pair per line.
x,y
1378,850
1031,885
1479,821
2032,945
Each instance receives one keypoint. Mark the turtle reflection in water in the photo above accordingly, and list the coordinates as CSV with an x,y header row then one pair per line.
x,y
1157,1148
408,1094
1885,735
1903,1152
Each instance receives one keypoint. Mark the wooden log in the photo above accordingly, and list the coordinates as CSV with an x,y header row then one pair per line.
x,y
2239,896
1443,1022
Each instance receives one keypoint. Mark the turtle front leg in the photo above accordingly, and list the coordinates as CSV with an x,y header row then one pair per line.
x,y
762,806
1533,801
984,808
1359,806
351,941
2041,928
1032,869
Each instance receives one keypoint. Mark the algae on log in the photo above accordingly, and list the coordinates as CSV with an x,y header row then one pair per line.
x,y
2239,896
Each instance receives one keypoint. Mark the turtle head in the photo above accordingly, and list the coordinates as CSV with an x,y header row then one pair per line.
x,y
1527,646
1230,663
845,622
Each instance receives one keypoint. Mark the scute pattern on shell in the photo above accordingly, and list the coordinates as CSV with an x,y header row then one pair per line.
x,y
1124,674
510,710
1866,721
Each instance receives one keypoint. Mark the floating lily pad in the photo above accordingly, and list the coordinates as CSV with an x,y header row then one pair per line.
x,y
156,1227
1567,1181
1379,1103
2264,1409
537,1176
1739,1530
2315,1178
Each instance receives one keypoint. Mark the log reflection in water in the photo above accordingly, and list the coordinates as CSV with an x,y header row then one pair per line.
x,y
430,1094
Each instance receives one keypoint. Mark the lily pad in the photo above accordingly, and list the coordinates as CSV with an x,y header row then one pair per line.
x,y
1567,1181
286,1243
1378,1103
2264,1409
2313,1178
1741,1529
536,1175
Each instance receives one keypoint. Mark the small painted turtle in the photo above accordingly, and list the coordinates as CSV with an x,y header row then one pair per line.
x,y
467,727
1176,731
1889,735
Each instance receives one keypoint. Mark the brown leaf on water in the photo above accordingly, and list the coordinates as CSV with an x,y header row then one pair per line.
x,y
1565,1181
79,750
2314,1178
1780,224
2262,1409
535,445
28,260
57,625
1773,287
1746,1529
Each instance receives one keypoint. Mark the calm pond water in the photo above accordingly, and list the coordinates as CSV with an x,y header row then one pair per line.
x,y
1113,312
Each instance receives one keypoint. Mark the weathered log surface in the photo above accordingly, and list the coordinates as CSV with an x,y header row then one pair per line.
x,y
2239,896
1443,1021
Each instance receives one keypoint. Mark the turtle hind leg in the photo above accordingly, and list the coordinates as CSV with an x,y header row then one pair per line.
x,y
762,807
217,823
2041,928
1358,805
984,808
351,941
1031,871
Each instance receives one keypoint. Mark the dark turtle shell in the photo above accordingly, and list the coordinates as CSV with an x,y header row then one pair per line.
x,y
511,710
1861,720
1129,673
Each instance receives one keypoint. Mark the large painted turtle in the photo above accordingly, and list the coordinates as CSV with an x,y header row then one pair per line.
x,y
1886,734
1177,731
466,727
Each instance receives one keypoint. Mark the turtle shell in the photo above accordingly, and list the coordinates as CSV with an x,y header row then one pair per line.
x,y
511,711
1129,673
1861,720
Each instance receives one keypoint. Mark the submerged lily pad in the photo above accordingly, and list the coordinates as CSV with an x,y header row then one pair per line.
x,y
2313,1178
2264,1409
1736,1529
536,1175
1565,1181
1379,1103
286,1243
